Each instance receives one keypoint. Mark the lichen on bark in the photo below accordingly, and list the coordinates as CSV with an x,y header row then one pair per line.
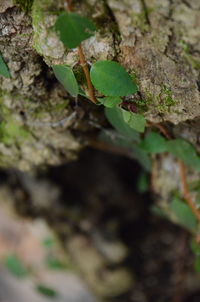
x,y
156,40
33,98
152,44
42,125
33,95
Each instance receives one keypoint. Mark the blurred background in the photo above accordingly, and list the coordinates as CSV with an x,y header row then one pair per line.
x,y
87,232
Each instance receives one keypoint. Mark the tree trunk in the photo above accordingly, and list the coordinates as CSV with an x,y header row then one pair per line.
x,y
156,40
41,125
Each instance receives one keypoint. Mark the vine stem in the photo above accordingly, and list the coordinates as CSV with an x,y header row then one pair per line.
x,y
183,174
84,65
186,191
83,62
91,92
162,129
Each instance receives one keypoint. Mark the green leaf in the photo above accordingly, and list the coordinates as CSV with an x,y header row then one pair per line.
x,y
154,143
16,267
184,214
184,151
142,157
130,143
49,242
114,116
46,291
65,76
134,120
111,79
4,71
143,183
74,29
113,137
110,101
55,264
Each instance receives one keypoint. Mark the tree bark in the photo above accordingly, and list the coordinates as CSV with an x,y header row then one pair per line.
x,y
41,125
156,40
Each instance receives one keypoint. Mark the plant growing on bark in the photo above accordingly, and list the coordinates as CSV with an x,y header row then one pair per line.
x,y
113,84
109,78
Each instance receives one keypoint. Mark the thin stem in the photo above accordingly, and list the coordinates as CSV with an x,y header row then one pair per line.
x,y
99,145
87,74
162,129
186,191
183,172
84,63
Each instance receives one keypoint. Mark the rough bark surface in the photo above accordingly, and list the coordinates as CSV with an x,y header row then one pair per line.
x,y
158,42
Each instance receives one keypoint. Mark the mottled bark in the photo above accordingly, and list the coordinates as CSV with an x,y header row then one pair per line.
x,y
156,40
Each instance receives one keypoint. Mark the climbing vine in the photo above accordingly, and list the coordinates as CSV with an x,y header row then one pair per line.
x,y
110,85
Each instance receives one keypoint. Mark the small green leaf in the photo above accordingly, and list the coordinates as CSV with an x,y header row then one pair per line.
x,y
65,76
74,29
16,267
184,214
134,120
55,264
110,101
184,151
49,242
154,143
143,183
142,157
111,79
128,142
46,291
4,71
113,137
114,116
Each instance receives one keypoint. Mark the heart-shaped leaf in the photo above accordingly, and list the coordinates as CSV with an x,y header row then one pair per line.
x,y
73,29
66,77
111,79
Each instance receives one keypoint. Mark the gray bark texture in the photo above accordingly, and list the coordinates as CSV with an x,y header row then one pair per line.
x,y
158,42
